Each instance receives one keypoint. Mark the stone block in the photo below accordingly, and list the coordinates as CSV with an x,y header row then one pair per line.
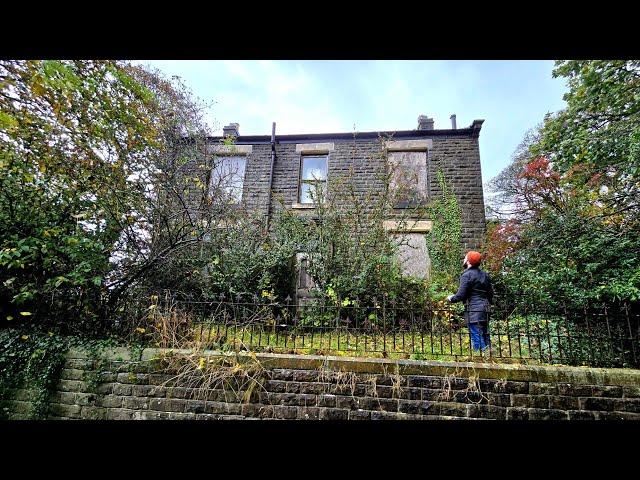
x,y
61,410
308,413
424,381
121,389
486,411
618,416
305,375
109,401
504,386
597,403
72,386
350,402
411,393
314,388
547,414
167,405
498,399
86,399
148,391
582,415
631,392
179,392
542,389
195,406
517,413
359,415
68,398
606,391
384,415
285,412
451,409
416,407
283,374
276,386
93,413
564,403
136,403
334,414
575,390
530,401
391,380
72,374
627,405
326,400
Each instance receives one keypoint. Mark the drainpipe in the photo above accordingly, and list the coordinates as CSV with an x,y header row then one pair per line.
x,y
273,160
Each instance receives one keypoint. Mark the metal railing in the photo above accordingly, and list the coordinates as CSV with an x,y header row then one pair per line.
x,y
596,335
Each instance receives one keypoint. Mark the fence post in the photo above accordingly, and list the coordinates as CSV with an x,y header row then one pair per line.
x,y
631,339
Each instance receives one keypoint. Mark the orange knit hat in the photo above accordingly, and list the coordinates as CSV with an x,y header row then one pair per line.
x,y
474,258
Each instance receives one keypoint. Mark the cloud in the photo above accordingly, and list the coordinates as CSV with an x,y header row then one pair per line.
x,y
258,93
333,96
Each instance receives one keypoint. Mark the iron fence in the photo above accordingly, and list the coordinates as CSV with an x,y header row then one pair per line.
x,y
596,335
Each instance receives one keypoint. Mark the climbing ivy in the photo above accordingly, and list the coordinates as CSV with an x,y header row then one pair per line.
x,y
31,360
445,238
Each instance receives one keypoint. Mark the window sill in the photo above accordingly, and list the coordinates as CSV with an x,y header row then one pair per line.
x,y
303,206
410,204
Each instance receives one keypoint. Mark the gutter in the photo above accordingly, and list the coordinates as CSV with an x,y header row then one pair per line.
x,y
328,137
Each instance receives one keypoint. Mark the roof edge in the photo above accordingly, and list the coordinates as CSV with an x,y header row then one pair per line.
x,y
471,131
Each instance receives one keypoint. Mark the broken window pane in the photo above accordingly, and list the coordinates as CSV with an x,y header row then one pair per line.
x,y
227,178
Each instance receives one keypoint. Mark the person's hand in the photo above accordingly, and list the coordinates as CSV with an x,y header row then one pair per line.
x,y
449,298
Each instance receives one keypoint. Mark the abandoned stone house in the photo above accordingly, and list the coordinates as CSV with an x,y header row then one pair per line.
x,y
263,170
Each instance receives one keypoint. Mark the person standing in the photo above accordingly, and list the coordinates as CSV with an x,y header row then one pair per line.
x,y
476,292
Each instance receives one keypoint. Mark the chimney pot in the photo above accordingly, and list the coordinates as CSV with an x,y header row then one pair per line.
x,y
425,123
453,121
232,129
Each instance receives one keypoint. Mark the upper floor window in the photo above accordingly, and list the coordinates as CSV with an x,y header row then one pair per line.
x,y
227,178
408,178
313,178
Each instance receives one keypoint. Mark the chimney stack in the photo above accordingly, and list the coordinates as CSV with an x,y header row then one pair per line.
x,y
453,121
425,123
231,129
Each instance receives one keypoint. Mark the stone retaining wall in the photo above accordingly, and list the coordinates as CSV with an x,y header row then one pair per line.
x,y
335,388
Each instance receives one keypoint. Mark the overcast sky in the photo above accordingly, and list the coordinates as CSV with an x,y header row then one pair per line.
x,y
340,96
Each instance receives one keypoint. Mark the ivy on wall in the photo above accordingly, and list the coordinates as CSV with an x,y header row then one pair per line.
x,y
445,238
31,360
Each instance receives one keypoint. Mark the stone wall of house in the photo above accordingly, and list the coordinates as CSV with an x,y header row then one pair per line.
x,y
458,157
333,388
459,160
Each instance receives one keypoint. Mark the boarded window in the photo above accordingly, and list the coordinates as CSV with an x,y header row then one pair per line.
x,y
227,178
408,178
413,254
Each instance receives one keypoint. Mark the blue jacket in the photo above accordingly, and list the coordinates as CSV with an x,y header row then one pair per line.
x,y
477,293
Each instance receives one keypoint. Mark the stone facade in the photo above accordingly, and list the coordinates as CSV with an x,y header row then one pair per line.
x,y
453,151
338,388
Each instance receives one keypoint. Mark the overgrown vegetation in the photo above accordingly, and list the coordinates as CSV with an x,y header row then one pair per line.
x,y
445,239
31,360
107,194
568,204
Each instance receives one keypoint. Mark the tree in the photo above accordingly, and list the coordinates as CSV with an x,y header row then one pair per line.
x,y
93,186
572,192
